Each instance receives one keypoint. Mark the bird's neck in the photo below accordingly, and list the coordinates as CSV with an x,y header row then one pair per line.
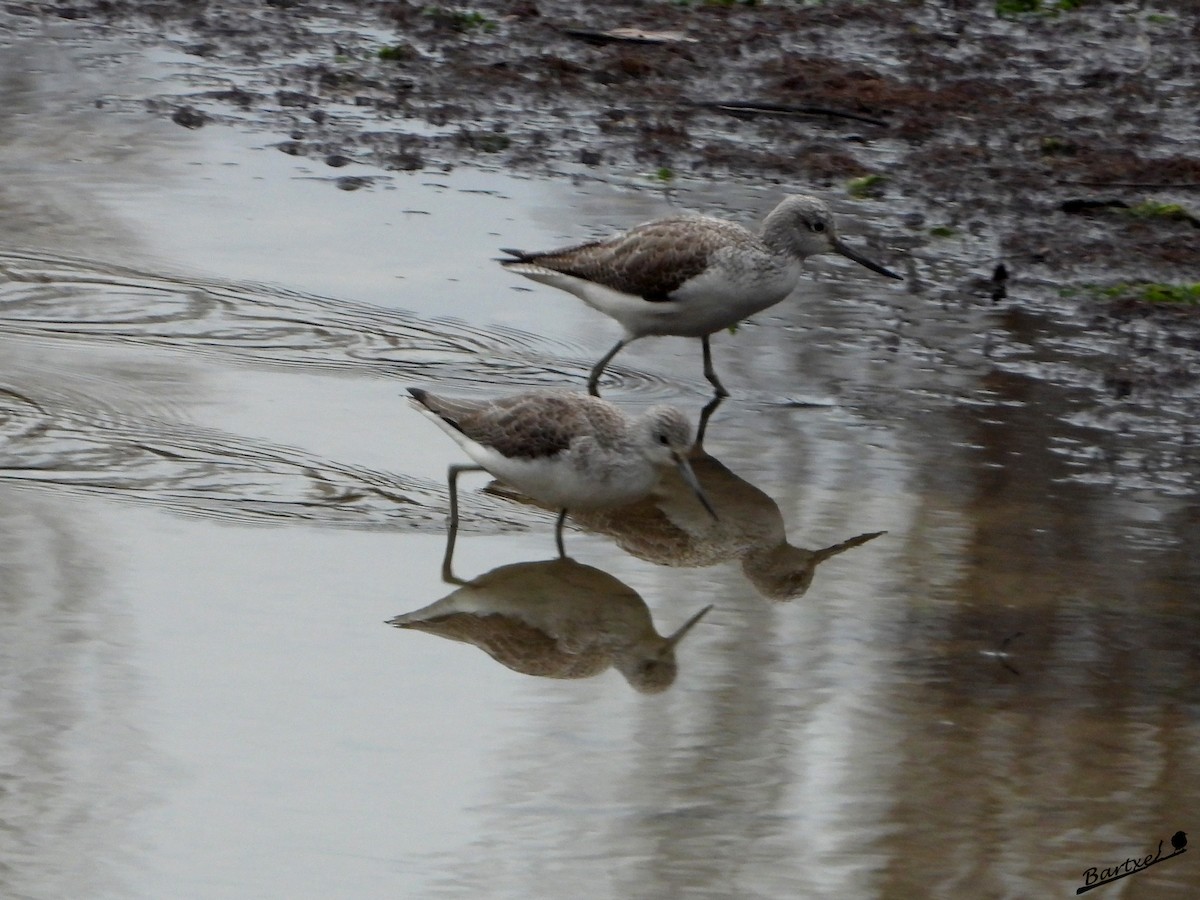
x,y
779,237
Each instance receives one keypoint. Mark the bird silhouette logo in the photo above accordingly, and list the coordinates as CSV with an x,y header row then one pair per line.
x,y
1095,876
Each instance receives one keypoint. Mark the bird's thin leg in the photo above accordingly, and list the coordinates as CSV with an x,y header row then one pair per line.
x,y
452,527
709,372
558,533
598,368
705,414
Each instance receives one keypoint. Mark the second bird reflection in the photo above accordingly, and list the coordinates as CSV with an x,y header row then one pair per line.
x,y
671,528
556,619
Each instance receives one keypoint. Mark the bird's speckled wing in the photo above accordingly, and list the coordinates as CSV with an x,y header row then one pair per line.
x,y
533,425
515,644
650,261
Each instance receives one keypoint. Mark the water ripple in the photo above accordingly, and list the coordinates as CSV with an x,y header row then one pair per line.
x,y
207,472
54,296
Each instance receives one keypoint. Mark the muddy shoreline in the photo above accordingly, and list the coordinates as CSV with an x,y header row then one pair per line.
x,y
1059,144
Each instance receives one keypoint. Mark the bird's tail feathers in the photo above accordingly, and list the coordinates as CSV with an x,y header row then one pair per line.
x,y
445,408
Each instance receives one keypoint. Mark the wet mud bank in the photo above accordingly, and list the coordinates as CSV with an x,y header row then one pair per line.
x,y
1037,160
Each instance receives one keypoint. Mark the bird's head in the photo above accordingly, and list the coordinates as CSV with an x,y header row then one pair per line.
x,y
804,226
652,668
666,440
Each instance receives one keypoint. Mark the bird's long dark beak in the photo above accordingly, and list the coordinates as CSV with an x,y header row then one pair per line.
x,y
689,477
845,251
686,627
824,554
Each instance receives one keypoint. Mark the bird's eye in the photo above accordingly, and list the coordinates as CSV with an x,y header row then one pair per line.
x,y
817,226
663,439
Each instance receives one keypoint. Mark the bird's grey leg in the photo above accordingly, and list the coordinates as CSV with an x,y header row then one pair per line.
x,y
705,414
558,533
452,528
709,372
598,368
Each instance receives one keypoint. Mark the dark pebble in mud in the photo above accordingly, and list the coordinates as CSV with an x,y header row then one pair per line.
x,y
352,182
406,161
188,117
1079,207
296,99
336,160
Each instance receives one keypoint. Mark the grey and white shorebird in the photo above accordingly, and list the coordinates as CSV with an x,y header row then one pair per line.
x,y
562,449
690,275
556,619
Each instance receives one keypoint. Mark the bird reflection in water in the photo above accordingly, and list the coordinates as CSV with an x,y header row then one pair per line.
x,y
556,619
671,528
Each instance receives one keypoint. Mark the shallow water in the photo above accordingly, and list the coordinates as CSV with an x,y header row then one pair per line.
x,y
212,496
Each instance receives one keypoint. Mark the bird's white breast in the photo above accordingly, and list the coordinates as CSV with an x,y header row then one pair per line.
x,y
558,482
721,297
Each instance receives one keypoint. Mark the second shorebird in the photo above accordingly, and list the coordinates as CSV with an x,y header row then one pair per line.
x,y
562,449
690,275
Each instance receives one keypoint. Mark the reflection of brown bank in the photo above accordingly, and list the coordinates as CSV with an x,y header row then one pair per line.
x,y
671,528
556,619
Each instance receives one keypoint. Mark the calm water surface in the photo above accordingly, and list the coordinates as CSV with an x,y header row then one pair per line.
x,y
212,497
